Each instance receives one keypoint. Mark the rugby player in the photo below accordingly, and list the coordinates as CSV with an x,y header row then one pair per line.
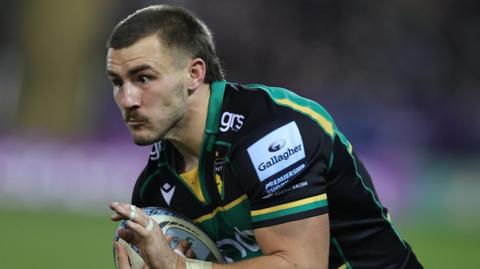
x,y
264,172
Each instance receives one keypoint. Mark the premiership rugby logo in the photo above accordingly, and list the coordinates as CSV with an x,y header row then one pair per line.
x,y
277,151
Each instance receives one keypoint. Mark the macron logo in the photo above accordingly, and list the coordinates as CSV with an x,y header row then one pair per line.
x,y
167,192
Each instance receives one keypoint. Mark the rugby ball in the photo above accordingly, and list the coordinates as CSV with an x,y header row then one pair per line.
x,y
180,228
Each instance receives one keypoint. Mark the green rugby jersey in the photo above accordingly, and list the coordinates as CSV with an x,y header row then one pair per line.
x,y
268,157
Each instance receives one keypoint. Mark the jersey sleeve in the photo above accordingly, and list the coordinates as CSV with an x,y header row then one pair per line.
x,y
282,169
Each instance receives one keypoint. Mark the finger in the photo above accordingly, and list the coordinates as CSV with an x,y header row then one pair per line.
x,y
182,246
129,236
128,212
120,209
116,217
139,229
190,254
121,257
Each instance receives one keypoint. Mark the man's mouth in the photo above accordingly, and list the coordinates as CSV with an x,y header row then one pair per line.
x,y
135,121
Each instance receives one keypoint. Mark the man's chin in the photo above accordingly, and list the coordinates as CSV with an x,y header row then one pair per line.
x,y
143,141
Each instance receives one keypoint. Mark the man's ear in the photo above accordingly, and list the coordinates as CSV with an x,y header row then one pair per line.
x,y
197,72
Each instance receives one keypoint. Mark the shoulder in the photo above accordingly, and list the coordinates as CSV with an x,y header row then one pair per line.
x,y
275,133
261,103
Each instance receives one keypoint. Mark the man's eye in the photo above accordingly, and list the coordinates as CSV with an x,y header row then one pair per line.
x,y
143,79
117,83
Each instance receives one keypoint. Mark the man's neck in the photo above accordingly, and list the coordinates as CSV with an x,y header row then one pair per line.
x,y
188,137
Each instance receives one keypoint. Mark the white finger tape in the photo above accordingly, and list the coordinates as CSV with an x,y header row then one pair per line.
x,y
196,264
149,225
133,212
179,253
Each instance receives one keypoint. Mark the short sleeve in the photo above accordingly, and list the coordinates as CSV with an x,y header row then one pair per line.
x,y
282,170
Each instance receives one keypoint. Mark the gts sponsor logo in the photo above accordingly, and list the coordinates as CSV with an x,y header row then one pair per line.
x,y
231,121
278,158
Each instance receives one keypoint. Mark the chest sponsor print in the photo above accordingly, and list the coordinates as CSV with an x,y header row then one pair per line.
x,y
155,151
231,121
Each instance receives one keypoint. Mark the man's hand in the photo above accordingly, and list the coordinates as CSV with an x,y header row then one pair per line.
x,y
301,244
122,260
148,237
121,257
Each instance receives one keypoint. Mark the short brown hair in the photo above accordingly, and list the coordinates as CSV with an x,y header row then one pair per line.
x,y
176,28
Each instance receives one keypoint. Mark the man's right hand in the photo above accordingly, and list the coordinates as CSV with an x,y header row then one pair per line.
x,y
122,257
183,249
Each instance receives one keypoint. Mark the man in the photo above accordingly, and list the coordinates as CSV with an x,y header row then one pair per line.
x,y
264,172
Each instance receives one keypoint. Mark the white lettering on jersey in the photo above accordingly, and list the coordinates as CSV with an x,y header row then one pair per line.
x,y
244,240
231,121
282,180
277,150
155,152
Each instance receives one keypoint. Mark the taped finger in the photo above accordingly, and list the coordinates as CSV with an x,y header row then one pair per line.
x,y
179,253
139,229
150,224
133,212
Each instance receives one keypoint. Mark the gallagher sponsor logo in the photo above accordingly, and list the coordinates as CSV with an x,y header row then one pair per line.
x,y
277,145
277,150
278,158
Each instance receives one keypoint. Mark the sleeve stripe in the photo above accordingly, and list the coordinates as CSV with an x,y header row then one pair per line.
x,y
322,121
289,208
220,209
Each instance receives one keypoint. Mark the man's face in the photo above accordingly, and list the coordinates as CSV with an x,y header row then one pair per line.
x,y
149,87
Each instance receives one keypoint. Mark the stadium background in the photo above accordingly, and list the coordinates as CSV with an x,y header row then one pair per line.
x,y
401,78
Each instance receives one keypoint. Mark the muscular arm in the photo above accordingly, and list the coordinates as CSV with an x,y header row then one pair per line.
x,y
297,244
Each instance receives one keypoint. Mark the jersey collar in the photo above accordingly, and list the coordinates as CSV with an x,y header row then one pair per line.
x,y
217,90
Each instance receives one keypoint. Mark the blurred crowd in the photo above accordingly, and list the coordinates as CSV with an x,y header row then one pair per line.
x,y
398,72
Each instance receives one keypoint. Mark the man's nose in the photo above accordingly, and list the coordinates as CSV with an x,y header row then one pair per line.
x,y
131,96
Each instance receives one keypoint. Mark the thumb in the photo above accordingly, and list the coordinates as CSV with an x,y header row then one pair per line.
x,y
121,257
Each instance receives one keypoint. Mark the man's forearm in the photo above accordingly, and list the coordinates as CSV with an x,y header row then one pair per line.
x,y
270,261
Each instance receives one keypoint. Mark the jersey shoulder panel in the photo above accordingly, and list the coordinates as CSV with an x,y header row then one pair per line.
x,y
281,153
